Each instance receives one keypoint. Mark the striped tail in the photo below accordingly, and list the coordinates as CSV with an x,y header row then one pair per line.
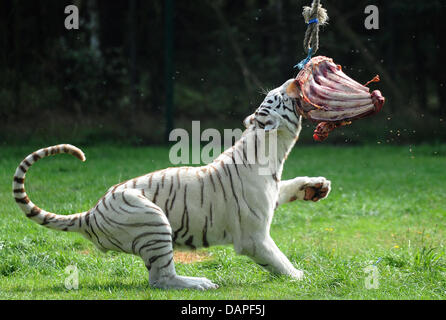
x,y
47,219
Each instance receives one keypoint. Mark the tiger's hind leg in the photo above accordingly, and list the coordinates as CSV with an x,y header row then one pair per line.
x,y
152,241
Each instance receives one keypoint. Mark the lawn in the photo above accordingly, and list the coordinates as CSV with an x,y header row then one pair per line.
x,y
387,207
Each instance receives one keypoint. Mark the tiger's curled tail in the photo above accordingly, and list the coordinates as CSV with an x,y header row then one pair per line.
x,y
38,215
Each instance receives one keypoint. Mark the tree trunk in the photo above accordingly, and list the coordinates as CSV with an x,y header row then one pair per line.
x,y
133,21
419,73
343,28
251,81
440,68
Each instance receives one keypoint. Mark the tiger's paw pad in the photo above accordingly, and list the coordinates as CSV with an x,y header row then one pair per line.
x,y
317,189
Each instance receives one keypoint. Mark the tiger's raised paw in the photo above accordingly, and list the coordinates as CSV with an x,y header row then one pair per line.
x,y
317,189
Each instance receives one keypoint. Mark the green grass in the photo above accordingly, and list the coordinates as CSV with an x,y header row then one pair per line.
x,y
387,202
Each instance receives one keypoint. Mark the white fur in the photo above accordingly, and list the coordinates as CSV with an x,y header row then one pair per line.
x,y
221,203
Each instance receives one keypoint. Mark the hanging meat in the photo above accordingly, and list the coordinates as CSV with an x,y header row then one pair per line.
x,y
326,95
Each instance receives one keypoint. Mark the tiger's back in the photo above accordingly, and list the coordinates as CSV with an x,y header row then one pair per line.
x,y
193,200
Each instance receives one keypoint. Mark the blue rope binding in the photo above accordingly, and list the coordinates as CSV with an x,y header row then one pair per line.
x,y
302,64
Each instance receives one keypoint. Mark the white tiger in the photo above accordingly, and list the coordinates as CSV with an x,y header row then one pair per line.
x,y
227,201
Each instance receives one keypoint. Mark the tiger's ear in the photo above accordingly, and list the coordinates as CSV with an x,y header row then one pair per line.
x,y
248,121
293,90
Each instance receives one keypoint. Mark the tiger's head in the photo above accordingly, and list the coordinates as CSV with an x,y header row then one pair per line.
x,y
277,112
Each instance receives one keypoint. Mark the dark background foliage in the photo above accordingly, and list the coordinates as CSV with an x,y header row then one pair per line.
x,y
107,81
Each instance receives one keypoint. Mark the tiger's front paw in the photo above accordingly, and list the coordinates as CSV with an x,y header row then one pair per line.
x,y
317,189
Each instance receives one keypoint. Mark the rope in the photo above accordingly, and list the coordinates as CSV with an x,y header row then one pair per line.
x,y
314,16
302,64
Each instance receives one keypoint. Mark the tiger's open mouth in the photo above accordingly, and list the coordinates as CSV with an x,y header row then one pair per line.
x,y
327,95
